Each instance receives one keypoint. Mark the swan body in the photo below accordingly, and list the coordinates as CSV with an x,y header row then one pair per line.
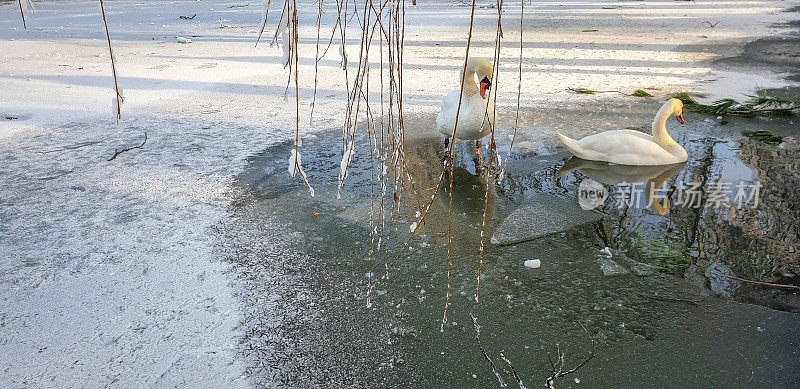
x,y
629,147
477,111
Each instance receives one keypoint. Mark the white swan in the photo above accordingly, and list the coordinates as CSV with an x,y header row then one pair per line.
x,y
476,117
629,147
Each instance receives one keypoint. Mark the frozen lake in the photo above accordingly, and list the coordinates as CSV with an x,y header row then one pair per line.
x,y
654,325
197,261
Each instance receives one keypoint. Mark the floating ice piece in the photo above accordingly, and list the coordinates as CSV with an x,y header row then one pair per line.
x,y
607,252
611,268
544,216
639,268
184,40
718,282
533,263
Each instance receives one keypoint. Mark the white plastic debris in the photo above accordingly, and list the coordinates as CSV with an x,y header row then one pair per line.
x,y
533,263
182,39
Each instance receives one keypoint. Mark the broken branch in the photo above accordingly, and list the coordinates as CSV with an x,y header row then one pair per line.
x,y
118,152
762,283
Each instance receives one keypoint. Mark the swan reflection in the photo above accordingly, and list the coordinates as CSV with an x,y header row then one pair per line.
x,y
653,178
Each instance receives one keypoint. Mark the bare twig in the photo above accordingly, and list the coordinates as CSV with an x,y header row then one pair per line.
x,y
264,25
118,152
513,370
452,165
120,99
762,283
559,365
187,17
22,12
483,350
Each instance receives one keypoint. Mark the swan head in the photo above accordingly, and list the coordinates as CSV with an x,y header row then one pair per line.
x,y
483,69
677,109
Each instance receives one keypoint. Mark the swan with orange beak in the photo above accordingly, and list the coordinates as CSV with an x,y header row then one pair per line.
x,y
630,147
476,116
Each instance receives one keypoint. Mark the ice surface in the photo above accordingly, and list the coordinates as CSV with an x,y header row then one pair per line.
x,y
109,272
544,216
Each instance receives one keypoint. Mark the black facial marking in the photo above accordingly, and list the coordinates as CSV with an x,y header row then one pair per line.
x,y
486,81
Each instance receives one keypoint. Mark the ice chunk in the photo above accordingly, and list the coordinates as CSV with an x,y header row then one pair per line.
x,y
346,156
533,263
610,268
721,285
544,216
294,162
184,40
641,269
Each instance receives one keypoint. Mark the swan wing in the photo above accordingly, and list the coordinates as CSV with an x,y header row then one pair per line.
x,y
471,122
447,115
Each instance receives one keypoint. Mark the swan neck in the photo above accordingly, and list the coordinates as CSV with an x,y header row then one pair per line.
x,y
468,87
651,197
660,134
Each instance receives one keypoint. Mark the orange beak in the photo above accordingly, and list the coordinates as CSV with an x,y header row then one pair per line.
x,y
681,119
485,85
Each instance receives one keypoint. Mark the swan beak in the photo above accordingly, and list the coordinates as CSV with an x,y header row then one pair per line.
x,y
681,119
485,85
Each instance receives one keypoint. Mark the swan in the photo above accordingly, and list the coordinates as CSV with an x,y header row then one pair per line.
x,y
476,117
629,147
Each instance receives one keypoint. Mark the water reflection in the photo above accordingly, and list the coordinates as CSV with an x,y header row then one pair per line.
x,y
653,177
